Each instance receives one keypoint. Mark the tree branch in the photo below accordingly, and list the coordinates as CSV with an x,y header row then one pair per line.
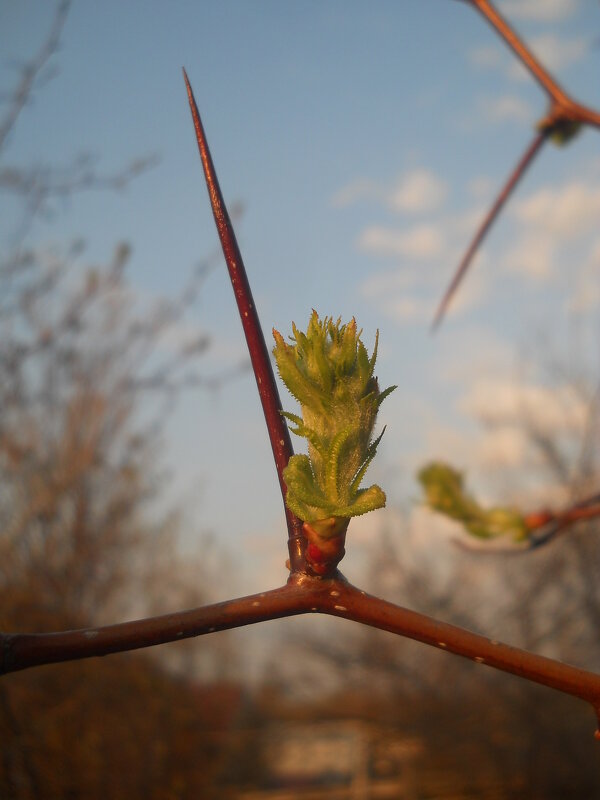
x,y
560,100
543,527
301,595
20,651
563,119
31,71
520,49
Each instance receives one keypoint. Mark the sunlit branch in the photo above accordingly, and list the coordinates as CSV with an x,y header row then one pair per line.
x,y
20,651
351,603
520,49
301,595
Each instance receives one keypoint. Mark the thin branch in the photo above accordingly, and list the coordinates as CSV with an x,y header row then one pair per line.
x,y
259,355
523,53
31,71
21,651
558,523
513,180
39,186
544,527
301,595
351,603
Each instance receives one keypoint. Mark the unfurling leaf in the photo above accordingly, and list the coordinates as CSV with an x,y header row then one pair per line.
x,y
444,492
328,370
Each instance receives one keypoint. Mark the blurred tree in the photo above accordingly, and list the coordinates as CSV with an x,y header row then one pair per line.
x,y
87,376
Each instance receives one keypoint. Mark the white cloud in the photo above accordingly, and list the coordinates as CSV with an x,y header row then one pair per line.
x,y
565,211
399,295
408,308
420,242
360,189
489,56
481,188
382,283
419,190
472,352
532,257
416,191
506,108
411,292
503,402
410,295
539,10
503,447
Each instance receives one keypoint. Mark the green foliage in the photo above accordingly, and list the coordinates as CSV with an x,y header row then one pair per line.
x,y
330,373
444,492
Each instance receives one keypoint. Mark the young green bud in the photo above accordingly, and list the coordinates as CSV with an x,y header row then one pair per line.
x,y
444,492
328,370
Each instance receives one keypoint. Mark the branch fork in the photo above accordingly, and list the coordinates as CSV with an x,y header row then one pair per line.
x,y
304,592
562,122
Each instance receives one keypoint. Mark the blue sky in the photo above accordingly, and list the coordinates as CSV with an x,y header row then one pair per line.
x,y
365,142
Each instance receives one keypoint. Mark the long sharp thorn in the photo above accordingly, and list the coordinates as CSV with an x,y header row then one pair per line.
x,y
259,355
483,229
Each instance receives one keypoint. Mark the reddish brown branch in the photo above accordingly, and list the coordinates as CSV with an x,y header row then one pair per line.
x,y
564,115
20,651
353,604
578,515
514,178
584,510
546,525
543,526
259,355
301,595
560,100
520,49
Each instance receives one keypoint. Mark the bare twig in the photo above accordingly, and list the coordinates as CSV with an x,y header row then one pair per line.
x,y
543,526
555,524
31,71
259,355
39,186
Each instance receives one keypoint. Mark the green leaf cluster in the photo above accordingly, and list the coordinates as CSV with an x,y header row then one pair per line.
x,y
444,492
328,370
